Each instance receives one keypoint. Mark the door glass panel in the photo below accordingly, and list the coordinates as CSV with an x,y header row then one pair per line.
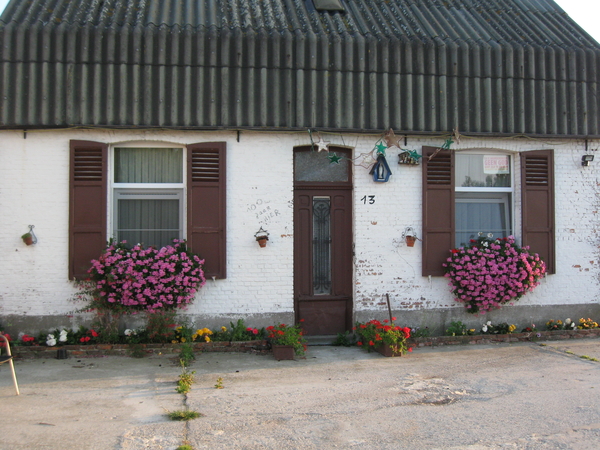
x,y
316,166
321,246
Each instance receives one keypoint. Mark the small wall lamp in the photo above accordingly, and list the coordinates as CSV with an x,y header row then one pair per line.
x,y
262,236
586,160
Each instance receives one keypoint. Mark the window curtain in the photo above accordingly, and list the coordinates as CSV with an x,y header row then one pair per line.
x,y
148,165
475,217
150,222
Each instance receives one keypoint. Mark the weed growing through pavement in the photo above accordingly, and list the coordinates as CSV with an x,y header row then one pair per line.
x,y
186,355
219,384
186,379
183,414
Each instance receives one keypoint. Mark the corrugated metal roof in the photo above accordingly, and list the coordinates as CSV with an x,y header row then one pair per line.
x,y
486,66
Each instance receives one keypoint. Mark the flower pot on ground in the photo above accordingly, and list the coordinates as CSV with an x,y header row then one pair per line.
x,y
386,338
283,352
388,350
287,335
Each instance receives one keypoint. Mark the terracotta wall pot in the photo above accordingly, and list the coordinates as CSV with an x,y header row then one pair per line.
x,y
28,240
262,242
283,352
410,241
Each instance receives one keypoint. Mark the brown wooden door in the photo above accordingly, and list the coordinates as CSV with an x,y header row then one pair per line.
x,y
323,259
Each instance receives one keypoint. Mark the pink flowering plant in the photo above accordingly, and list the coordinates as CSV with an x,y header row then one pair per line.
x,y
129,279
492,272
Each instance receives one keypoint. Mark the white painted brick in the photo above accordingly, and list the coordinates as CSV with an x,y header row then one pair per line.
x,y
34,190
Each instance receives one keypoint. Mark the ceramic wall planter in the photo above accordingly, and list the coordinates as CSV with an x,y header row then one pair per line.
x,y
388,351
283,352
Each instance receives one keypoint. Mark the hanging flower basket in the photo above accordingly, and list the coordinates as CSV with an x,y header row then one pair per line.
x,y
489,273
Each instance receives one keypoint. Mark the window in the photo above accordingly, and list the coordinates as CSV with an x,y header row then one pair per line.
x,y
483,196
468,192
148,191
152,200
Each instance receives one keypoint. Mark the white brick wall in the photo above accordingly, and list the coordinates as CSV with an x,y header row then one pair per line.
x,y
34,190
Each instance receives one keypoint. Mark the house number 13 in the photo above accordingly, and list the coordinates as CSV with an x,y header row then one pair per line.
x,y
370,199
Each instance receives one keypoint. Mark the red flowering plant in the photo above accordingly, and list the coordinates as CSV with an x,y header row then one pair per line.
x,y
26,339
283,334
492,272
2,341
375,333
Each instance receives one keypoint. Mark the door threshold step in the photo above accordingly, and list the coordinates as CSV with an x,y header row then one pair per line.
x,y
320,340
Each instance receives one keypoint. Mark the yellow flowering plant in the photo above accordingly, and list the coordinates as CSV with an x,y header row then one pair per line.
x,y
184,333
586,324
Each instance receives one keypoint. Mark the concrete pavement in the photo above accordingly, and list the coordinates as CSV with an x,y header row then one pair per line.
x,y
539,395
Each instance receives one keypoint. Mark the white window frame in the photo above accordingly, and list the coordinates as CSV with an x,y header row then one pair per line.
x,y
512,203
146,190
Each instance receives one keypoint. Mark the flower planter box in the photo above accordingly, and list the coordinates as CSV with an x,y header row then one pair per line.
x,y
388,351
283,352
95,350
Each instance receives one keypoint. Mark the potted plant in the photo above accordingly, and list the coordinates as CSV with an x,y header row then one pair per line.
x,y
286,341
27,238
410,236
386,338
262,236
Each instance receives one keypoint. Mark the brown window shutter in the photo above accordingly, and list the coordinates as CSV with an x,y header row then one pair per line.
x,y
87,205
206,205
537,187
438,209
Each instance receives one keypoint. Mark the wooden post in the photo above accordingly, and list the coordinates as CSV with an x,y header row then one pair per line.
x,y
389,307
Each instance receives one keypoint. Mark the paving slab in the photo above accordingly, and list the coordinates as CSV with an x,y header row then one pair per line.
x,y
538,395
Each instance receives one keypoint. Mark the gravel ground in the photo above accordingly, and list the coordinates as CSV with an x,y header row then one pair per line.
x,y
505,396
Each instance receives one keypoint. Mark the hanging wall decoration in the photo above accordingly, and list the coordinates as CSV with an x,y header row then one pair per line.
x,y
409,157
381,170
405,156
334,158
320,144
445,146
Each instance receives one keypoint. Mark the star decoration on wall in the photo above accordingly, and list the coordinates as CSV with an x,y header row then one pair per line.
x,y
413,154
366,160
334,158
445,146
381,147
456,135
391,139
321,144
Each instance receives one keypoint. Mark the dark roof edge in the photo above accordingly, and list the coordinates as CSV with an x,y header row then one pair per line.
x,y
314,129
